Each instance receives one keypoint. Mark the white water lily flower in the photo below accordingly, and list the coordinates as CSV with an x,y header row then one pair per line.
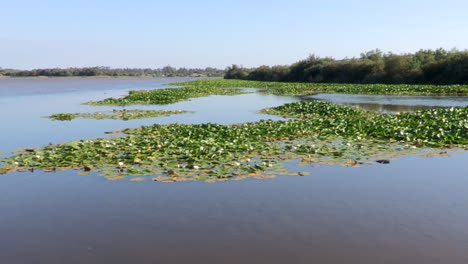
x,y
196,167
358,137
270,165
16,163
130,144
159,146
38,156
121,163
237,163
201,148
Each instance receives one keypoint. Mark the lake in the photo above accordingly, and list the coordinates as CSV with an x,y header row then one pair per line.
x,y
413,210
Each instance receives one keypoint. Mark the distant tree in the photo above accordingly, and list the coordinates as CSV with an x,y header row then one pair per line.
x,y
397,67
107,71
424,66
235,72
373,55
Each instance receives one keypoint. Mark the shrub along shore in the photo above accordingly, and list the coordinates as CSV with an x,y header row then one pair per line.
x,y
422,67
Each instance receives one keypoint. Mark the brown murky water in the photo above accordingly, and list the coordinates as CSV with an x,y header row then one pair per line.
x,y
413,210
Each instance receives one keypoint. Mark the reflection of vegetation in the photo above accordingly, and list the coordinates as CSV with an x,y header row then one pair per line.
x,y
425,66
168,95
281,88
116,114
323,132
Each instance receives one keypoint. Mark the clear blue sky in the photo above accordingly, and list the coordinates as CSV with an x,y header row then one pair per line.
x,y
144,33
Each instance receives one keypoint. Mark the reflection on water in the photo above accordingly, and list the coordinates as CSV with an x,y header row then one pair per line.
x,y
391,103
414,210
389,108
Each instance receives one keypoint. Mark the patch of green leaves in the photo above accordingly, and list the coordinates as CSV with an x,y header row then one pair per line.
x,y
323,133
433,127
319,133
168,95
296,89
116,114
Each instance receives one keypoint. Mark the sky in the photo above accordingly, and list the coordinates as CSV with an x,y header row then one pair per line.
x,y
208,33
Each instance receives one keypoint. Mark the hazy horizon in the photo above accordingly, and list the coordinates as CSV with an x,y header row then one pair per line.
x,y
154,34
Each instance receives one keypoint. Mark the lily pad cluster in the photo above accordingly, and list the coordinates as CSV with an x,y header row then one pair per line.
x,y
168,95
207,87
116,114
432,127
320,133
295,89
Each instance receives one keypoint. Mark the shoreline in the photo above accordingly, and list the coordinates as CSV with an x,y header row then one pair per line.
x,y
105,76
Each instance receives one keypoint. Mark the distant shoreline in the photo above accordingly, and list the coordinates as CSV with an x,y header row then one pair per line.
x,y
108,72
105,77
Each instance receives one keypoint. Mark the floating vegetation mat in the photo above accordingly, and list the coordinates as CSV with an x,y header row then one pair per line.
x,y
116,114
320,133
295,89
169,95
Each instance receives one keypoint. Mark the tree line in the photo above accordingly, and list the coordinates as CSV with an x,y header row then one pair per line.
x,y
438,66
167,71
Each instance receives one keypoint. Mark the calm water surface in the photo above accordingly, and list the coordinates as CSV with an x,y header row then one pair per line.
x,y
391,103
413,210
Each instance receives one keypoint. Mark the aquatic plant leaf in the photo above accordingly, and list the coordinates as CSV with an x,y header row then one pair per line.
x,y
318,133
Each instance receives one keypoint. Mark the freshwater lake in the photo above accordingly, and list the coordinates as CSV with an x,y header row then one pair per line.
x,y
413,210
